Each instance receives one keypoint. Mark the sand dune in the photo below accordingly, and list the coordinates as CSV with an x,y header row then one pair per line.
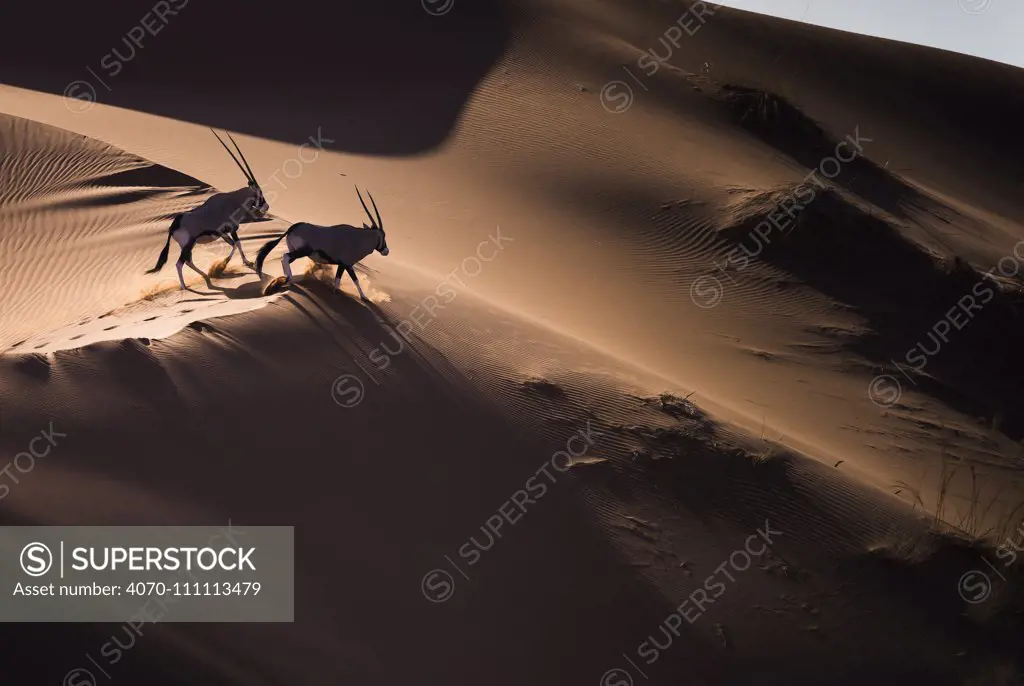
x,y
595,565
735,342
82,215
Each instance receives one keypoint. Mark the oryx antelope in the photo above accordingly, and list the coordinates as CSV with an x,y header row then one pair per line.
x,y
342,244
218,217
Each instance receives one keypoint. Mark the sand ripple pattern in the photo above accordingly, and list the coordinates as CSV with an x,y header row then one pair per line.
x,y
80,222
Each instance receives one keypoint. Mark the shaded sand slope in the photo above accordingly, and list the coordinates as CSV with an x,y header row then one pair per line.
x,y
943,324
941,117
349,67
794,338
617,217
382,491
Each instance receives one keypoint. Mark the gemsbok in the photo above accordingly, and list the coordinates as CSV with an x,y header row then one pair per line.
x,y
342,244
218,217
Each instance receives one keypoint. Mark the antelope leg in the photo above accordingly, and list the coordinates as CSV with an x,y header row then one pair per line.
x,y
238,243
197,269
186,258
181,279
355,279
293,255
186,253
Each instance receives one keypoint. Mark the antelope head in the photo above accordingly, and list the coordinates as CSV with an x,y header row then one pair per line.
x,y
259,206
376,224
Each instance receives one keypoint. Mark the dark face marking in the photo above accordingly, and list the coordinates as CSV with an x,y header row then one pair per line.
x,y
259,206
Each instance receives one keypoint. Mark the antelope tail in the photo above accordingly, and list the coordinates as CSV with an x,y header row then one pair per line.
x,y
160,261
268,247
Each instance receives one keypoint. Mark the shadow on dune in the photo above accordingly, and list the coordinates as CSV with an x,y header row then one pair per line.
x,y
831,529
379,492
947,325
939,115
155,175
383,77
945,91
383,491
782,125
952,329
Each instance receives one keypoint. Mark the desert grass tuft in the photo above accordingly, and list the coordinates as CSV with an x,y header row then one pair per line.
x,y
975,523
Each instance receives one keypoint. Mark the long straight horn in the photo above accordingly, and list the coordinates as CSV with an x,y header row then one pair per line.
x,y
243,170
365,208
251,175
380,222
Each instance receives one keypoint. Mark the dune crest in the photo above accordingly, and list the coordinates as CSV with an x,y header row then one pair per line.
x,y
80,221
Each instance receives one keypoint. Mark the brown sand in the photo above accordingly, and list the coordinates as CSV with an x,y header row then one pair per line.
x,y
584,246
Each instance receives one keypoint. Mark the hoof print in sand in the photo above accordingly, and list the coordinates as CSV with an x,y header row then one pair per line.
x,y
544,388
